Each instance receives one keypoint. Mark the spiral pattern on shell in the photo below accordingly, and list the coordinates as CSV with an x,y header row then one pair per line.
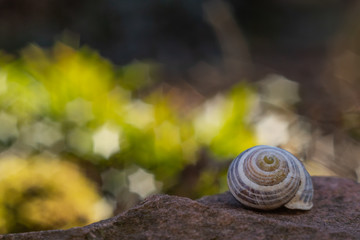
x,y
266,177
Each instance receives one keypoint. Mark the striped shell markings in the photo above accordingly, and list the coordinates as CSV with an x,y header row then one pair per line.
x,y
265,177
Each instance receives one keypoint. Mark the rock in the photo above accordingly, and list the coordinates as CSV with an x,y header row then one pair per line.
x,y
335,215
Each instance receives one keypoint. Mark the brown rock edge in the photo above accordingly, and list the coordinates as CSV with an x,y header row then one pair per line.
x,y
335,215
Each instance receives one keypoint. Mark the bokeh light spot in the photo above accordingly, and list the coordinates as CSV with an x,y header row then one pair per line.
x,y
279,90
272,130
106,140
44,133
142,183
139,114
210,119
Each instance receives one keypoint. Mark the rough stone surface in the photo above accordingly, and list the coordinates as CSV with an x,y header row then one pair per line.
x,y
335,215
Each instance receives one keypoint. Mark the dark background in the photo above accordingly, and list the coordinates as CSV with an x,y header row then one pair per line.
x,y
175,33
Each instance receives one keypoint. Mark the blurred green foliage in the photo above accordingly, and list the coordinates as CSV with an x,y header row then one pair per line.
x,y
222,123
80,107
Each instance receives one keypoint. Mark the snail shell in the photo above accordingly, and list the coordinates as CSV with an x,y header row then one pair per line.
x,y
266,177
